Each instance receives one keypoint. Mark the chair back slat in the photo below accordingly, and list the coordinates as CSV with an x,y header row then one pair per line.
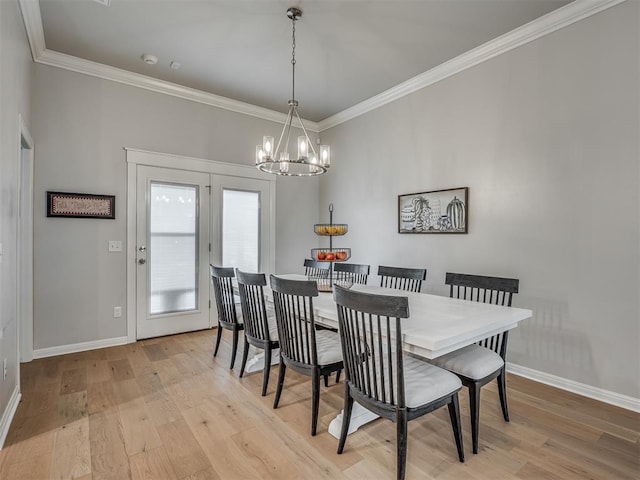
x,y
315,269
493,290
293,302
371,339
222,281
253,304
357,273
408,279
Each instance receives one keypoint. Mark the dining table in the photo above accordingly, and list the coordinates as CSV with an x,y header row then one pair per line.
x,y
436,326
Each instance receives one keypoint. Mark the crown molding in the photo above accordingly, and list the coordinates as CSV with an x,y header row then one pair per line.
x,y
86,67
32,19
33,24
564,16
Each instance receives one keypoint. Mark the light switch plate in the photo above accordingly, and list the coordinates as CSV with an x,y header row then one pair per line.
x,y
115,246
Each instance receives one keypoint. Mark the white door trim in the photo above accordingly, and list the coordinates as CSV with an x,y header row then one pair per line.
x,y
24,242
135,157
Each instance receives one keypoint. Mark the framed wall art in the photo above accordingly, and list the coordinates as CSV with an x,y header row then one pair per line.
x,y
438,211
80,205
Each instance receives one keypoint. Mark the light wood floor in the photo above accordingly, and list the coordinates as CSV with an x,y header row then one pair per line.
x,y
165,409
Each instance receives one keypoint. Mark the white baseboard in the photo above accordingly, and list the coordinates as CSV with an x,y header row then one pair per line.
x,y
79,347
606,396
9,412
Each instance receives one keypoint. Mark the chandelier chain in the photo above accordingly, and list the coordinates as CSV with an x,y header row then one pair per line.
x,y
293,59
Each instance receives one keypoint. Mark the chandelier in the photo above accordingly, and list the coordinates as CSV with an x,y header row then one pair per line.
x,y
277,160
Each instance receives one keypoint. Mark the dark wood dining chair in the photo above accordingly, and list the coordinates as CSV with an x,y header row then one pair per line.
x,y
400,278
260,329
304,349
222,279
313,268
355,272
380,377
478,364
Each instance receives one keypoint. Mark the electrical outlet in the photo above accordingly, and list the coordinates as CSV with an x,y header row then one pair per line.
x,y
4,369
117,312
115,246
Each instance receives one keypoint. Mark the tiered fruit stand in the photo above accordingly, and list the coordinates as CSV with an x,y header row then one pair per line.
x,y
330,254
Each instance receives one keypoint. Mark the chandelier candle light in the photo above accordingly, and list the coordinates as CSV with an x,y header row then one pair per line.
x,y
278,161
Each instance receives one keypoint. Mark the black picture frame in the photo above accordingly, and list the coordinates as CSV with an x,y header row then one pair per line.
x,y
436,211
81,205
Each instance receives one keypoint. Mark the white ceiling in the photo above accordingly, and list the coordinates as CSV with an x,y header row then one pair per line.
x,y
347,50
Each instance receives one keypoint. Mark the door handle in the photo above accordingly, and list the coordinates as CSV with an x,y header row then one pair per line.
x,y
142,261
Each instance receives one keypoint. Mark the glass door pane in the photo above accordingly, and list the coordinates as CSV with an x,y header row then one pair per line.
x,y
241,229
173,248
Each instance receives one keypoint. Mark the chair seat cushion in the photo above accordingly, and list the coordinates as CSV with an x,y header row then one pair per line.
x,y
328,347
424,383
472,361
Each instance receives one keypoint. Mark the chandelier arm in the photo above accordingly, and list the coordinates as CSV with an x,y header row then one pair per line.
x,y
287,122
288,128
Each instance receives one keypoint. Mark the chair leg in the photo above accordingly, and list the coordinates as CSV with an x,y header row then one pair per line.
x,y
267,370
338,376
454,414
474,406
218,337
245,354
315,400
401,443
346,417
234,348
502,392
283,369
326,381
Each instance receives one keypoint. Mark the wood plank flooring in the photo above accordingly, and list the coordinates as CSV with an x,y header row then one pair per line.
x,y
166,409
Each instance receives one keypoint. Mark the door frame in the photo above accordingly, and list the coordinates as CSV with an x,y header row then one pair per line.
x,y
135,157
24,239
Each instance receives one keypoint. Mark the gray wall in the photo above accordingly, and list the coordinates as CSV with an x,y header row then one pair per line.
x,y
81,125
15,79
546,138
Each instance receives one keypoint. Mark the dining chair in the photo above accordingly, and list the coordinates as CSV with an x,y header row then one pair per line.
x,y
408,279
479,363
260,329
356,272
222,280
380,377
304,349
313,268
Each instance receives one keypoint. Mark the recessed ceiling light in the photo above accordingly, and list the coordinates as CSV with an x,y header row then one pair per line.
x,y
175,65
150,59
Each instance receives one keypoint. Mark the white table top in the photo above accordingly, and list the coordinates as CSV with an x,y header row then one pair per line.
x,y
437,324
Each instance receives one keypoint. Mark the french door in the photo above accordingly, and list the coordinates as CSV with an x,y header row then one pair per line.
x,y
179,222
172,251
